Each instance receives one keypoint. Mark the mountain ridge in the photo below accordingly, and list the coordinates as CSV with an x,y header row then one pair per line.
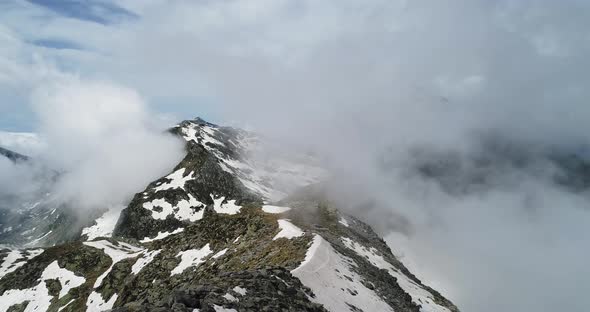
x,y
13,156
207,237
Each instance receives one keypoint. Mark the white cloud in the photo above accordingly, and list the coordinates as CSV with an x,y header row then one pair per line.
x,y
104,139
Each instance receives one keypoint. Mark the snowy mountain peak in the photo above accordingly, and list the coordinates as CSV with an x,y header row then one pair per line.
x,y
262,169
204,238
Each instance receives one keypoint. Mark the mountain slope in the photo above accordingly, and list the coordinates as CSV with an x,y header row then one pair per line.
x,y
205,238
33,217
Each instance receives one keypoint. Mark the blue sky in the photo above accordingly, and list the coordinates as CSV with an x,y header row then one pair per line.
x,y
88,10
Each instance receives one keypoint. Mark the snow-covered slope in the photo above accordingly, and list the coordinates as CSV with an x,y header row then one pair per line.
x,y
330,275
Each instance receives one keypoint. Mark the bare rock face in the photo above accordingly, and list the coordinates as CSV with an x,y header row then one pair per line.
x,y
206,238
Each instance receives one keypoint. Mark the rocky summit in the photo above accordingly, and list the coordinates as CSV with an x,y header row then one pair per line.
x,y
223,231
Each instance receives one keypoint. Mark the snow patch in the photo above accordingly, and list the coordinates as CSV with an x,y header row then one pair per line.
x,y
161,235
222,309
329,275
67,278
105,225
219,254
116,253
191,257
229,297
240,290
144,260
288,230
184,210
38,296
207,134
96,303
204,135
65,305
177,180
16,259
190,134
229,207
343,222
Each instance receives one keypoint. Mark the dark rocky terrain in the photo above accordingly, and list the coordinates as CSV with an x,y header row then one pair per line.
x,y
207,238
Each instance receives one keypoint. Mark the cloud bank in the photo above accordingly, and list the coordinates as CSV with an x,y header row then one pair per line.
x,y
365,83
100,138
104,139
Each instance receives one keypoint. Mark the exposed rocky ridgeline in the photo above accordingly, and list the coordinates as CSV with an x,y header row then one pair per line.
x,y
206,238
13,156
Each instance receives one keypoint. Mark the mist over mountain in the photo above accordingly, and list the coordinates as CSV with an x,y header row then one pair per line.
x,y
457,130
220,222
